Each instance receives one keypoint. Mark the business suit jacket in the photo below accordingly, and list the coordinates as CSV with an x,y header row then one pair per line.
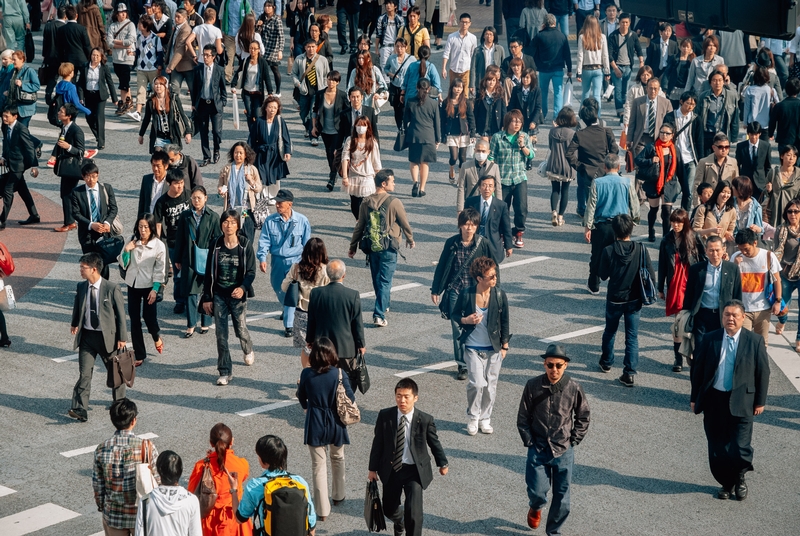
x,y
653,58
755,169
217,86
50,50
498,225
146,194
730,287
346,122
423,432
334,311
68,161
477,69
638,120
589,148
422,123
178,58
340,103
111,311
19,151
784,122
82,212
105,86
750,373
73,43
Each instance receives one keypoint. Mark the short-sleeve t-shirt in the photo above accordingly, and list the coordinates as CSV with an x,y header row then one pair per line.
x,y
754,279
228,272
419,38
206,34
167,211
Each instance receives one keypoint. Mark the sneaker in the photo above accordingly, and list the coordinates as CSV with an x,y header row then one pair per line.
x,y
472,427
379,322
276,95
288,332
306,135
593,292
626,380
604,368
486,427
554,220
134,115
518,243
90,153
120,107
224,380
462,373
560,220
250,358
314,142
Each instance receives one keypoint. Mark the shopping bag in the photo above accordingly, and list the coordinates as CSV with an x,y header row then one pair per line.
x,y
235,112
145,481
7,300
373,509
608,92
568,93
470,151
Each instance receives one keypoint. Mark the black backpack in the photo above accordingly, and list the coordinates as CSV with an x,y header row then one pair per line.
x,y
52,110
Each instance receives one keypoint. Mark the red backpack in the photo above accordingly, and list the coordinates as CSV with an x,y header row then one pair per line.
x,y
6,261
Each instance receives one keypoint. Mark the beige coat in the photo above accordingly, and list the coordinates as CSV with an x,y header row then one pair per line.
x,y
180,57
707,172
251,176
305,286
706,220
90,18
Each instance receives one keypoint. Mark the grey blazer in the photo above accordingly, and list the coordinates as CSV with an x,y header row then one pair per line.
x,y
111,312
638,120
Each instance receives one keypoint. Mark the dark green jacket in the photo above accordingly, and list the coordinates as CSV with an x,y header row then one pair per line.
x,y
208,231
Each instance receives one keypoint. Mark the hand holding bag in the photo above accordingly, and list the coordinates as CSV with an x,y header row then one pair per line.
x,y
292,297
346,409
145,481
121,369
373,509
568,93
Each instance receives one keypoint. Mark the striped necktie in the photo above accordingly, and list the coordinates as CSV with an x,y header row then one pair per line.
x,y
95,211
400,444
312,79
651,119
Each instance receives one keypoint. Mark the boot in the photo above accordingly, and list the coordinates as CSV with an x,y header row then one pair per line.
x,y
331,181
120,106
651,222
678,365
666,211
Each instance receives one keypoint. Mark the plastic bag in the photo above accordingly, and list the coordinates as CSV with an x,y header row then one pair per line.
x,y
235,112
568,93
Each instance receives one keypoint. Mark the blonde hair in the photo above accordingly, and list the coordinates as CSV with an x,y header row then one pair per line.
x,y
66,69
591,34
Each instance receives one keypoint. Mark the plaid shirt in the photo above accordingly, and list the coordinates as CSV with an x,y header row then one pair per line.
x,y
272,37
462,254
114,478
509,158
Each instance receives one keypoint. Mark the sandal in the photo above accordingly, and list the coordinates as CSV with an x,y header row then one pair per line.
x,y
203,331
779,328
160,345
188,334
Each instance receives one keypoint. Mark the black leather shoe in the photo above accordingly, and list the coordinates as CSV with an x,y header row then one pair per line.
x,y
216,157
77,416
415,190
462,373
288,332
740,489
179,308
31,220
723,494
204,163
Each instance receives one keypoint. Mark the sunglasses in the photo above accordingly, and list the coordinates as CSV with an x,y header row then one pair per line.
x,y
558,366
723,147
490,277
665,133
793,212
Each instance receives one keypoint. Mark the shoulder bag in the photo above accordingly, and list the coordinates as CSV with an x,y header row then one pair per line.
x,y
145,481
292,297
200,255
648,288
121,369
206,491
444,299
346,409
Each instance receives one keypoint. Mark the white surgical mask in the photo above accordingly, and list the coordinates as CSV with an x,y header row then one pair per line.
x,y
361,129
480,157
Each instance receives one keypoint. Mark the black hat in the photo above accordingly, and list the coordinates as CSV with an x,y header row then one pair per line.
x,y
284,195
555,350
762,59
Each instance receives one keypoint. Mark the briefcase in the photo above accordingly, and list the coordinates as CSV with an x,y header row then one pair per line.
x,y
373,509
121,368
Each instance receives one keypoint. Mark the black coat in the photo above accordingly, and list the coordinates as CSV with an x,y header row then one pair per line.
x,y
527,60
146,194
648,171
346,122
422,122
531,109
619,263
105,86
489,117
74,46
69,161
207,233
497,321
666,259
444,273
217,86
334,311
653,58
466,124
631,42
261,77
498,226
50,49
19,152
757,170
340,103
730,287
175,134
784,122
83,213
589,148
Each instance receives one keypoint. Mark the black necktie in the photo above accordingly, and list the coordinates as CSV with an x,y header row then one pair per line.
x,y
753,153
400,444
93,318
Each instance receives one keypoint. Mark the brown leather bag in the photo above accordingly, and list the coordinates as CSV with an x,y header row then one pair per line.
x,y
206,490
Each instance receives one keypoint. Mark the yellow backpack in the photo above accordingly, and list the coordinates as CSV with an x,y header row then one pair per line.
x,y
285,508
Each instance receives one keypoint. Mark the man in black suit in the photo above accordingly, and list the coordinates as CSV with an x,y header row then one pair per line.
x,y
98,323
661,49
154,184
68,153
353,112
209,97
729,385
19,155
495,221
72,40
50,51
753,158
334,311
94,208
400,458
709,286
515,45
784,117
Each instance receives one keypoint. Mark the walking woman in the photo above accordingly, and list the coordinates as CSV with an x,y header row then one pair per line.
x,y
787,244
145,260
197,228
513,78
452,275
229,472
169,123
239,183
680,248
121,39
323,432
783,184
270,139
24,78
673,81
150,60
703,66
309,273
718,216
245,37
749,214
490,108
421,69
254,82
593,63
328,106
94,87
458,125
369,78
482,314
527,98
759,99
559,170
230,272
361,160
395,70
660,166
422,124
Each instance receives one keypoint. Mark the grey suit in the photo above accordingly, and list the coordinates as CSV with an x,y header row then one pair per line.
x,y
637,134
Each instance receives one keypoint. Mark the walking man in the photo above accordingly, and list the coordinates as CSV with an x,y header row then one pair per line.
x,y
209,97
19,155
458,50
68,153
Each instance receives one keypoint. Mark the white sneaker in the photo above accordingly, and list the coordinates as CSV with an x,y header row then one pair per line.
x,y
379,322
134,115
472,427
224,380
486,427
276,95
250,358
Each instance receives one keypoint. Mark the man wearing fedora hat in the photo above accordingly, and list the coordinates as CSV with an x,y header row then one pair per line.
x,y
553,418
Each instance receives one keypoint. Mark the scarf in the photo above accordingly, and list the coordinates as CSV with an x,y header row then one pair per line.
x,y
672,165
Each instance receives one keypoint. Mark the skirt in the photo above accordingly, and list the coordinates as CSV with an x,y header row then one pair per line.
x,y
458,141
299,329
419,153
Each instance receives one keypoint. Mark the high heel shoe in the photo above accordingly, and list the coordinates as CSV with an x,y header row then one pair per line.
x,y
160,345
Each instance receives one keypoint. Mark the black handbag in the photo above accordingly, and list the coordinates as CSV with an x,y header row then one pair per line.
x,y
292,297
356,369
373,509
109,247
400,143
30,48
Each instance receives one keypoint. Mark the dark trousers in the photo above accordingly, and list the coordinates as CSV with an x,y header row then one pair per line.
x,y
329,140
97,119
91,345
729,451
705,321
580,17
516,197
275,67
252,105
138,308
346,19
67,185
407,481
306,103
602,236
15,181
207,113
368,17
355,205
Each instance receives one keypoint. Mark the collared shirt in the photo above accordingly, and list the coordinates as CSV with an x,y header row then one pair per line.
x,y
715,107
683,142
611,27
664,53
710,298
753,150
209,74
458,51
93,194
488,54
114,478
274,230
156,192
408,459
87,317
398,67
485,205
175,36
724,376
509,157
93,78
198,216
462,254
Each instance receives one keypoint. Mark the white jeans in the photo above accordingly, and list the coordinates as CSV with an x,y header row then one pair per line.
x,y
482,373
319,469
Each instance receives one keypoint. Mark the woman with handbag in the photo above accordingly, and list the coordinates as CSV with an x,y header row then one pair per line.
x,y
452,274
239,185
324,432
197,228
783,184
228,472
230,272
787,243
169,122
22,90
328,106
94,87
144,261
458,125
307,275
361,160
270,139
482,314
254,82
558,168
369,79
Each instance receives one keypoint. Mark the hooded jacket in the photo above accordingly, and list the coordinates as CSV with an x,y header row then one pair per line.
x,y
171,511
620,265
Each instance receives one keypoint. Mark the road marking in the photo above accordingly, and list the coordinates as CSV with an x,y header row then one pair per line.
x,y
87,450
393,289
6,491
268,407
572,334
73,357
35,519
505,265
427,368
101,533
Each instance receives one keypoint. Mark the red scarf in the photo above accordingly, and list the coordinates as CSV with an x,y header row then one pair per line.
x,y
672,166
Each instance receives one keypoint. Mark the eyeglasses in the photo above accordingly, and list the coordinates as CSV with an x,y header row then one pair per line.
x,y
723,147
207,54
793,212
665,133
558,366
493,276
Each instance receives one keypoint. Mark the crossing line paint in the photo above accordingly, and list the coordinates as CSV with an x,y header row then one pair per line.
x,y
6,491
572,334
73,357
529,260
393,289
267,407
87,450
426,368
35,519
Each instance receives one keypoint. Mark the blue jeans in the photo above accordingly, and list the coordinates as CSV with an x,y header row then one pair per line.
x,y
614,312
279,267
458,348
689,169
584,183
620,86
788,287
192,314
382,265
592,79
557,78
224,307
542,472
562,21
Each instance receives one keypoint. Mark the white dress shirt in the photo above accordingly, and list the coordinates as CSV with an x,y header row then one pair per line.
x,y
93,78
87,317
458,51
156,192
408,459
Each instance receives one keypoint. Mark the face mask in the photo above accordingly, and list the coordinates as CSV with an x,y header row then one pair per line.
x,y
362,129
480,157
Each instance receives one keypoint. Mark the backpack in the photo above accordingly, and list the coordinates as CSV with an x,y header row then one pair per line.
x,y
376,231
285,508
52,111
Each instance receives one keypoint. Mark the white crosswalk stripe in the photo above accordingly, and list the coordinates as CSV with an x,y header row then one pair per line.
x,y
34,519
6,491
87,450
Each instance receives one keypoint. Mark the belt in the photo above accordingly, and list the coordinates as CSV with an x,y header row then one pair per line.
x,y
592,67
715,311
208,101
251,92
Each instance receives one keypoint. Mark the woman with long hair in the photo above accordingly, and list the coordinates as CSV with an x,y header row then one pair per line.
x,y
704,65
270,139
458,125
361,160
245,36
121,39
718,216
423,135
673,80
680,248
759,98
513,78
254,83
309,273
145,260
421,69
96,75
593,63
239,183
328,106
490,108
783,184
527,98
369,79
749,214
787,243
324,432
660,166
169,123
229,472
559,170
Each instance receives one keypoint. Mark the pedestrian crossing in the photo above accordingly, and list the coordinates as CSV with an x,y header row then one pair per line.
x,y
87,450
34,519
